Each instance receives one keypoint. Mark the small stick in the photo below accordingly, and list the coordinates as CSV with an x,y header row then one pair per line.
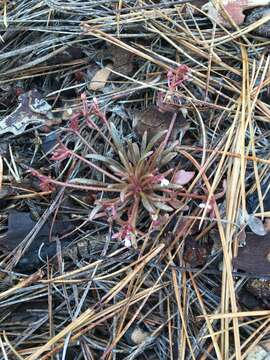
x,y
22,284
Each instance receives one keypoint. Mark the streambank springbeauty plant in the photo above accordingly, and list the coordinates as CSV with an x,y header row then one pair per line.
x,y
138,181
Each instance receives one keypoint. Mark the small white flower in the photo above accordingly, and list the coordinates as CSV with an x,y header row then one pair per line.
x,y
127,242
154,217
69,111
164,182
184,112
203,205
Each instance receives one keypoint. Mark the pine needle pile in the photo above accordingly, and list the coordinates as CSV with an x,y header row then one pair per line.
x,y
129,195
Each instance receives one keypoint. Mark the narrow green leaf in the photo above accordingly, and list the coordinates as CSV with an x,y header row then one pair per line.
x,y
125,161
154,140
117,186
170,148
85,181
167,158
123,194
107,160
131,154
136,151
163,206
147,205
146,155
144,142
116,137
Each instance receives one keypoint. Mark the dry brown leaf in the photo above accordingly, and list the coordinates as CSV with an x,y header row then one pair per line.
x,y
32,109
257,14
256,225
122,60
260,288
117,59
254,257
153,121
183,177
234,8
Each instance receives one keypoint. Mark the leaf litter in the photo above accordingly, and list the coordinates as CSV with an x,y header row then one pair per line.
x,y
134,136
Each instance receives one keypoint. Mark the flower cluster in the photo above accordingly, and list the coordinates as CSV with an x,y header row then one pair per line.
x,y
176,77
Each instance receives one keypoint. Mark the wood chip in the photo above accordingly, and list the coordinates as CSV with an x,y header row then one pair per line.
x,y
100,78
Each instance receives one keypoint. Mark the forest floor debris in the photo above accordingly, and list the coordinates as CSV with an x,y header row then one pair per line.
x,y
134,179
